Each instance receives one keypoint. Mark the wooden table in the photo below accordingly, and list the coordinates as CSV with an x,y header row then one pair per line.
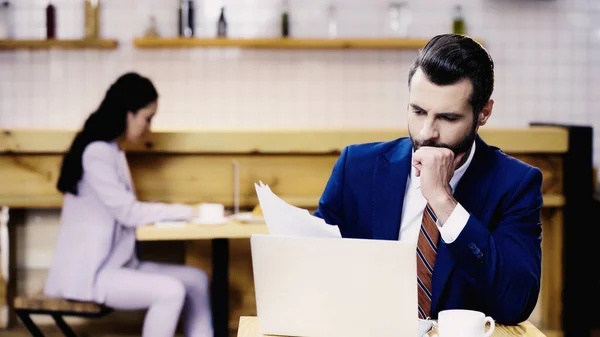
x,y
249,328
220,235
230,230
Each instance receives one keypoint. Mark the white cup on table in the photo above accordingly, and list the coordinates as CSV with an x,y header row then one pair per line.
x,y
464,323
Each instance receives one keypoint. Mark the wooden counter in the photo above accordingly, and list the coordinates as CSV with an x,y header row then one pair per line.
x,y
194,167
198,166
249,328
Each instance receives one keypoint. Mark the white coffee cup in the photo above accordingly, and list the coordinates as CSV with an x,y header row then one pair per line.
x,y
211,211
464,323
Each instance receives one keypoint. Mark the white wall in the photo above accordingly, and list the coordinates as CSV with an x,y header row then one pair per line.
x,y
546,55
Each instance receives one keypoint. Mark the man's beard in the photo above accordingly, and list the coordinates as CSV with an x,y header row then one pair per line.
x,y
462,146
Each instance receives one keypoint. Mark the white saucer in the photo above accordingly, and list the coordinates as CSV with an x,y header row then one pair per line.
x,y
248,217
171,224
200,221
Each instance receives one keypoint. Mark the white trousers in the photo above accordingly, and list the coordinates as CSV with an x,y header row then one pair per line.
x,y
165,290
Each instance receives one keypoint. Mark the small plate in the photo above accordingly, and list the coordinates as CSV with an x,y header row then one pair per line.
x,y
171,224
249,218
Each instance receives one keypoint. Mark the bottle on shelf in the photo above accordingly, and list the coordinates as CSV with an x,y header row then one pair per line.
x,y
285,20
458,21
332,28
50,21
399,14
186,18
92,19
6,20
152,30
222,24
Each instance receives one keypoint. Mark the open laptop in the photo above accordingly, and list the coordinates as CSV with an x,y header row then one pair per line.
x,y
323,287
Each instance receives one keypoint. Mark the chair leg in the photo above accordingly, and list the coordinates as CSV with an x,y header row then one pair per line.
x,y
29,324
63,326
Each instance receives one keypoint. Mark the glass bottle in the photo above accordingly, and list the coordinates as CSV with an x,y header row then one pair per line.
x,y
285,20
92,18
152,30
399,17
190,19
332,28
186,18
6,20
458,21
50,21
222,24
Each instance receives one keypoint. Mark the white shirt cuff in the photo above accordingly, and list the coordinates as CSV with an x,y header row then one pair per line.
x,y
454,225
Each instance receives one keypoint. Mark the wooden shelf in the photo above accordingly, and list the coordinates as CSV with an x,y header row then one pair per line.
x,y
526,140
172,43
58,44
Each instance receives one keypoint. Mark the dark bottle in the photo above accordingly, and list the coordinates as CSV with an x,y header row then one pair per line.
x,y
285,20
50,21
190,16
180,19
222,24
186,18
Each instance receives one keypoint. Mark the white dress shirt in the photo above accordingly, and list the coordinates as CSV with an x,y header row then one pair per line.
x,y
414,204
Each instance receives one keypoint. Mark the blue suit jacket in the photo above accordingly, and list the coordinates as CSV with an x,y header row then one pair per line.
x,y
493,266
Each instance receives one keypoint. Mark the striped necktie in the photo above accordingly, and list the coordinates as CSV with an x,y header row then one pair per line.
x,y
427,247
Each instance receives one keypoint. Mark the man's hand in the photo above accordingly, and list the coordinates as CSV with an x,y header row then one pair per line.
x,y
435,166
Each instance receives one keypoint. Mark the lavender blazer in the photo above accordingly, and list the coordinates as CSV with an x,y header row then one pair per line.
x,y
98,225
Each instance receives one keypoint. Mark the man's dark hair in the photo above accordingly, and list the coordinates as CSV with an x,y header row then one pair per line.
x,y
449,58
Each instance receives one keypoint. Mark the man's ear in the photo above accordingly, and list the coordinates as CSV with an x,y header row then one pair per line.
x,y
485,113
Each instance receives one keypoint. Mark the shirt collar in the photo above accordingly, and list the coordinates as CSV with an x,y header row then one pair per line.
x,y
415,182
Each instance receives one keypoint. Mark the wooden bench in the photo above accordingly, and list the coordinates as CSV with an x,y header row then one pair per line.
x,y
57,308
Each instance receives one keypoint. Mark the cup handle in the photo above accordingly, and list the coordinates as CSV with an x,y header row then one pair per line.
x,y
490,320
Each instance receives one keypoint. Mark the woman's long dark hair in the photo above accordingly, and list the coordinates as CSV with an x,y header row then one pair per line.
x,y
130,93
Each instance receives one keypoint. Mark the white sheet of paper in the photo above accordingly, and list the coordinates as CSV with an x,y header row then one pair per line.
x,y
171,224
285,219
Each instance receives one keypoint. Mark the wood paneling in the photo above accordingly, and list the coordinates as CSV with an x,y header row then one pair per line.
x,y
537,140
30,180
552,268
194,167
552,170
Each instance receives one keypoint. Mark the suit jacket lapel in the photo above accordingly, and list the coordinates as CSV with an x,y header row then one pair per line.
x,y
125,172
471,194
389,184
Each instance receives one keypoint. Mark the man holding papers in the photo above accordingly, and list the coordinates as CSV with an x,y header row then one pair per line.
x,y
473,211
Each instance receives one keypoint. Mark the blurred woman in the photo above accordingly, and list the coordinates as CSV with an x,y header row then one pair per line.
x,y
95,258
